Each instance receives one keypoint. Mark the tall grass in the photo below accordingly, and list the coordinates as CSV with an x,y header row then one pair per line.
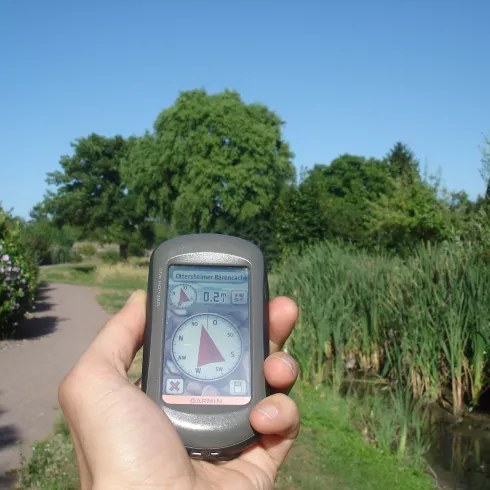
x,y
422,323
122,275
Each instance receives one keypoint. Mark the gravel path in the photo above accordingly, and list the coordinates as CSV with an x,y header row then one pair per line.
x,y
33,364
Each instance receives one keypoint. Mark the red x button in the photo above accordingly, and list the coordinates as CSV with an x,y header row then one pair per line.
x,y
175,386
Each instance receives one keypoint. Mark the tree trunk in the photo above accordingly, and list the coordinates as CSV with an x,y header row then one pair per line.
x,y
123,251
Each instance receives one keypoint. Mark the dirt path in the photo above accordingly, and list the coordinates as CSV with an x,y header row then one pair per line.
x,y
32,366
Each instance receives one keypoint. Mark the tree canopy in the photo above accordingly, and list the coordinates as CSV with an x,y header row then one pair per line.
x,y
91,195
212,162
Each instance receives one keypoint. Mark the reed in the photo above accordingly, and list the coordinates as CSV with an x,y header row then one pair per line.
x,y
426,316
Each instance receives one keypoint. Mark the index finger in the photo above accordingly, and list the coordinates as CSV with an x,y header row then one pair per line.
x,y
283,313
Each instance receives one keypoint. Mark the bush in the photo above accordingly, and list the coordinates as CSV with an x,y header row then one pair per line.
x,y
88,250
136,249
110,257
64,255
50,244
18,274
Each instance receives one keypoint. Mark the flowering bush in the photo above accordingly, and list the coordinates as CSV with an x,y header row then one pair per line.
x,y
18,274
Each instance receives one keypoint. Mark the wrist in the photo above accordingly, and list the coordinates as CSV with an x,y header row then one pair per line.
x,y
182,483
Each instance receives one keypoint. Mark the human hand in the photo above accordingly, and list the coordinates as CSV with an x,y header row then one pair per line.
x,y
123,440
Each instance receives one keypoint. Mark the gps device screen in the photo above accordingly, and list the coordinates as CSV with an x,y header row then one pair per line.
x,y
207,336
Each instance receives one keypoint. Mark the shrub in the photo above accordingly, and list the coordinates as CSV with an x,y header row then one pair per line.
x,y
88,250
18,274
50,244
136,249
64,255
110,257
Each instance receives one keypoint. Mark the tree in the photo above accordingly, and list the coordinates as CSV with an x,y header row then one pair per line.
x,y
409,215
403,164
91,195
332,200
153,179
212,163
413,209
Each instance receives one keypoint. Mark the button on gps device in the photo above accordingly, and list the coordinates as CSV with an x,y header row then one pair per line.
x,y
206,340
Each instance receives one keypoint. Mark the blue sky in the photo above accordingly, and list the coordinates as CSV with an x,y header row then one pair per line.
x,y
346,75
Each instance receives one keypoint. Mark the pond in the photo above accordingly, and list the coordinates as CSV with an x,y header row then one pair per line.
x,y
460,451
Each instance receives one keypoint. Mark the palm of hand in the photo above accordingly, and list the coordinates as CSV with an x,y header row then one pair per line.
x,y
124,440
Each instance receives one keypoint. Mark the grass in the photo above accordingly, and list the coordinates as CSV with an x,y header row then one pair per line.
x,y
52,465
113,283
69,274
331,452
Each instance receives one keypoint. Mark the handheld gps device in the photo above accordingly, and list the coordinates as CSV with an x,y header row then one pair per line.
x,y
206,340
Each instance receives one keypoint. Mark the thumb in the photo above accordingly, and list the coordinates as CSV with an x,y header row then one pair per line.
x,y
121,337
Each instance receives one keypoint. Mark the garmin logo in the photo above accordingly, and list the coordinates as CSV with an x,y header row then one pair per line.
x,y
159,286
207,401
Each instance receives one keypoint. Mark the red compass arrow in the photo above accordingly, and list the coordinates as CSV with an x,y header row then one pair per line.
x,y
183,297
208,352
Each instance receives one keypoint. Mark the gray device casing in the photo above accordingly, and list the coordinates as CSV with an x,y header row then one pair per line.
x,y
211,432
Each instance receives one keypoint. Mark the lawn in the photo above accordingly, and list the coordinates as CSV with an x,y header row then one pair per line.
x,y
330,452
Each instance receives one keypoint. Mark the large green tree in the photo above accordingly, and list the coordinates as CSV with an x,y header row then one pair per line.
x,y
213,163
333,200
90,193
371,203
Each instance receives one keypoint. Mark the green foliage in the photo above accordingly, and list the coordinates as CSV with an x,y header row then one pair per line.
x,y
428,313
402,164
154,182
51,244
137,246
18,274
87,249
333,200
408,215
162,231
92,196
64,255
213,163
110,257
374,204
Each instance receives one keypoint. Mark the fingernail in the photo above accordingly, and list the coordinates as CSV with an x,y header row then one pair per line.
x,y
289,361
131,298
268,410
